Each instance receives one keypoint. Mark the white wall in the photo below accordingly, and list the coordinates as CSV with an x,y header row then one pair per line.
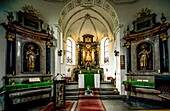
x,y
2,54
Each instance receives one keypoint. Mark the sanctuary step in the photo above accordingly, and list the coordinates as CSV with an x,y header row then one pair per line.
x,y
106,91
72,91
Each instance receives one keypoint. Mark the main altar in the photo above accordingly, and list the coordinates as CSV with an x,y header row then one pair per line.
x,y
88,72
89,78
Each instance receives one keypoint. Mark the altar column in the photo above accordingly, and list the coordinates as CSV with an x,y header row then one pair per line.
x,y
96,58
79,56
128,57
11,45
164,53
48,58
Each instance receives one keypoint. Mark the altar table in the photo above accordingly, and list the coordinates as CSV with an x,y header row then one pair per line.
x,y
91,80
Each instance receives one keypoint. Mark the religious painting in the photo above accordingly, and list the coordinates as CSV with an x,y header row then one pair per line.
x,y
31,57
144,56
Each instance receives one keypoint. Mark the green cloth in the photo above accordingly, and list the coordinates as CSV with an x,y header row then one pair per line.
x,y
22,86
89,71
137,83
89,80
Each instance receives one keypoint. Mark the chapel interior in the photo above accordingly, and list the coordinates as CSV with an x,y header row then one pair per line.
x,y
66,55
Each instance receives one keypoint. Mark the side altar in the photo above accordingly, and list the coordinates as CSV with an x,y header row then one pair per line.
x,y
146,55
28,53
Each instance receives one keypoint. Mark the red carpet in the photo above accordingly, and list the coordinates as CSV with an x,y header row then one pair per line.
x,y
89,103
49,107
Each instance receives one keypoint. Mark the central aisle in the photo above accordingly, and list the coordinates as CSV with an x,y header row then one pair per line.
x,y
90,102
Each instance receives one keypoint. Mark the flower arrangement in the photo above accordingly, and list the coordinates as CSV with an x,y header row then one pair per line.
x,y
88,91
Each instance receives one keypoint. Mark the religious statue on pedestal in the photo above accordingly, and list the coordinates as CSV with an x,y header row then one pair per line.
x,y
31,57
144,55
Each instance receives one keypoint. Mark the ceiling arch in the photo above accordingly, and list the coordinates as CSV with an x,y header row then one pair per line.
x,y
96,17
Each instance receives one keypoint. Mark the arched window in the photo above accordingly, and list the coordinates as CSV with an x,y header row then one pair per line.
x,y
69,51
106,51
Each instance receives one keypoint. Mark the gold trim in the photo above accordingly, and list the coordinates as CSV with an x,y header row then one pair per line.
x,y
10,36
48,44
127,44
9,75
29,9
164,37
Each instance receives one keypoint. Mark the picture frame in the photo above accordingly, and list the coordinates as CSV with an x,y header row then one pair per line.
x,y
30,21
144,23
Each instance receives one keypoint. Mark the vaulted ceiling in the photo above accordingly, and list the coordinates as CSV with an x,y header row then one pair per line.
x,y
95,17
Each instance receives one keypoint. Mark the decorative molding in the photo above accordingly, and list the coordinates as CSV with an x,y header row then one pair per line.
x,y
119,2
29,9
85,3
55,1
144,12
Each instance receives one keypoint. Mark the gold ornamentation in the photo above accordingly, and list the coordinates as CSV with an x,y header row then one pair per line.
x,y
31,57
144,56
127,44
88,46
164,37
144,12
29,9
48,44
10,36
9,75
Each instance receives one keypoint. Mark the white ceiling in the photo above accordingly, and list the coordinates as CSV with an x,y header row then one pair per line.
x,y
87,21
95,17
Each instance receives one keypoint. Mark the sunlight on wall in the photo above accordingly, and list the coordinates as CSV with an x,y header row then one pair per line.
x,y
73,52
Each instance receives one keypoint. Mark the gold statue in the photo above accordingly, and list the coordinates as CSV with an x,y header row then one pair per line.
x,y
88,56
31,57
143,56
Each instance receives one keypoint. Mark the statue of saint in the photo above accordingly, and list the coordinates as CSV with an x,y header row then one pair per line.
x,y
31,57
88,56
144,56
